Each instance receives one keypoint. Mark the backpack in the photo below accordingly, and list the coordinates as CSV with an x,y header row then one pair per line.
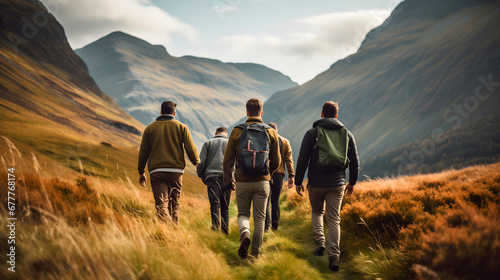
x,y
332,148
253,156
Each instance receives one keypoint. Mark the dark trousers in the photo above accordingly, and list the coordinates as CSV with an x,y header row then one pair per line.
x,y
219,196
273,212
167,191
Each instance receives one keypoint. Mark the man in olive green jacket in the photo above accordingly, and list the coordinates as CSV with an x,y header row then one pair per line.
x,y
251,189
162,148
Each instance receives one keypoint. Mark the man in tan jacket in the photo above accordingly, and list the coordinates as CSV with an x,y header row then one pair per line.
x,y
273,215
251,188
162,148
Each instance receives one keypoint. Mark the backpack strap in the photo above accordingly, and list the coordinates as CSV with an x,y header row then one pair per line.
x,y
243,126
316,139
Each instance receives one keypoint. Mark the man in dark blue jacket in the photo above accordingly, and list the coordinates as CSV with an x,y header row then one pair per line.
x,y
326,186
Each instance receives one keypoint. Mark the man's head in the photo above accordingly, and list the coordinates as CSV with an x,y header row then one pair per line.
x,y
273,125
221,130
254,108
168,108
330,110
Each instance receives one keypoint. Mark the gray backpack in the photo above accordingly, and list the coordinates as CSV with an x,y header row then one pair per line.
x,y
254,149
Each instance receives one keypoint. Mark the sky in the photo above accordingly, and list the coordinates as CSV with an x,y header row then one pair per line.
x,y
301,39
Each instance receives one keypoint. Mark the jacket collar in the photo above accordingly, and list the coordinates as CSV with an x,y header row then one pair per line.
x,y
328,123
165,118
220,136
254,120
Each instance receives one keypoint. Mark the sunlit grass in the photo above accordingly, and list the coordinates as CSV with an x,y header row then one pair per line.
x,y
91,227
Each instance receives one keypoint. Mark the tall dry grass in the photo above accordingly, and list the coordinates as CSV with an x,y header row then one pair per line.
x,y
443,226
436,226
89,227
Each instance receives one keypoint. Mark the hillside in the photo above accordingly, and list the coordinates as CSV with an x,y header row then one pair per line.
x,y
421,88
209,93
50,104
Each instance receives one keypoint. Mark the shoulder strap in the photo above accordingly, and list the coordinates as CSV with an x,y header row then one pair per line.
x,y
316,139
242,126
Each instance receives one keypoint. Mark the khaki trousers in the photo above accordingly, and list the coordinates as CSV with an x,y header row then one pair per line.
x,y
246,194
332,197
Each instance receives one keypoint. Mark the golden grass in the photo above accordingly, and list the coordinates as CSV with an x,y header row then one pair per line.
x,y
89,227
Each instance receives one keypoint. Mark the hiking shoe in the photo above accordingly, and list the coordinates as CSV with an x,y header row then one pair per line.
x,y
333,264
245,243
319,251
254,255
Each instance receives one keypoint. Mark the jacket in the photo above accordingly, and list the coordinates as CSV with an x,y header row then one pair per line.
x,y
308,157
212,156
232,154
286,158
163,145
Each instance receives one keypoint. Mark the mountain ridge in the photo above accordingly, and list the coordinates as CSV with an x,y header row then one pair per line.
x,y
407,83
209,92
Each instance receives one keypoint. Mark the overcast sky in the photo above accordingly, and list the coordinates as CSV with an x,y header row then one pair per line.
x,y
299,38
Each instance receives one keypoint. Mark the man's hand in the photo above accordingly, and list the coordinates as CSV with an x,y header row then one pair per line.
x,y
290,183
299,189
349,189
142,180
231,186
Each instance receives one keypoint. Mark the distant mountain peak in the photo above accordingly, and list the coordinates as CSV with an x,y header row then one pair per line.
x,y
120,37
139,76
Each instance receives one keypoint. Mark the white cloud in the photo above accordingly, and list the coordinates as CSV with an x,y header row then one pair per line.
x,y
313,43
86,21
223,9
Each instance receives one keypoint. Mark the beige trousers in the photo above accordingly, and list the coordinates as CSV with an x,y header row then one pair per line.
x,y
246,194
332,197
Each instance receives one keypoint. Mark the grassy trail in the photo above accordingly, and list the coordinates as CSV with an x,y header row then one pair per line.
x,y
285,254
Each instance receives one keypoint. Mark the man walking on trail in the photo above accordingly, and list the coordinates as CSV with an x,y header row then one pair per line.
x,y
328,149
273,215
255,147
210,171
162,147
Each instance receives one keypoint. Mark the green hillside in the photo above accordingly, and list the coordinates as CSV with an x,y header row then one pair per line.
x,y
51,107
428,72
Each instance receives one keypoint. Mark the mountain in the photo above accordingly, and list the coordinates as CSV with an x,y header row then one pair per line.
x,y
420,94
51,106
209,93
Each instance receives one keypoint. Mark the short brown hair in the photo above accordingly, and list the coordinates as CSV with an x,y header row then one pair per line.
x,y
273,125
254,107
330,109
168,107
221,130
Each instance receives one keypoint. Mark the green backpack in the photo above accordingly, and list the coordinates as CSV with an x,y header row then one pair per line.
x,y
332,147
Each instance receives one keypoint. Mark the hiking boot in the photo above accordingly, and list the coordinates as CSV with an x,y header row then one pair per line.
x,y
254,255
275,226
333,264
319,251
245,243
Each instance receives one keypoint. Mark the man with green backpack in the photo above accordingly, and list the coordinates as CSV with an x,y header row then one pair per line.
x,y
328,149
